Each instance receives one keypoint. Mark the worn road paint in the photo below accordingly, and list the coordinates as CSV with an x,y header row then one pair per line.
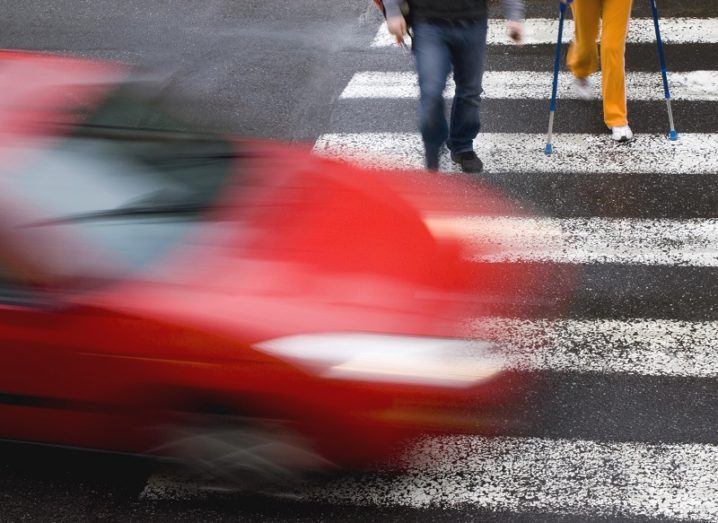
x,y
523,152
691,86
646,347
520,475
631,241
534,474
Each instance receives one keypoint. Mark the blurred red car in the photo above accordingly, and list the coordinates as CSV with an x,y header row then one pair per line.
x,y
169,291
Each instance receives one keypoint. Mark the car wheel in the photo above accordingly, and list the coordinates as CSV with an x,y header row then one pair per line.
x,y
240,453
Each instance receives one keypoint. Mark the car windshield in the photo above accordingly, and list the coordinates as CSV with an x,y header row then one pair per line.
x,y
129,182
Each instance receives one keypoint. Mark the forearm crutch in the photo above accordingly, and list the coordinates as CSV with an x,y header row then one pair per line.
x,y
556,68
672,134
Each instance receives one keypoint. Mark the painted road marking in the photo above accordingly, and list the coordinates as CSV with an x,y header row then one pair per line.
x,y
692,86
646,347
641,30
552,475
631,241
694,153
575,477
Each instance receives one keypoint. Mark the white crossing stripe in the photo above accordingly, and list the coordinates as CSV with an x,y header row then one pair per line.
x,y
546,475
691,242
510,153
641,30
561,476
694,85
646,347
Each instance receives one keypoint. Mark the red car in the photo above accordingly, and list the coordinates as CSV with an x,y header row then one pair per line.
x,y
170,291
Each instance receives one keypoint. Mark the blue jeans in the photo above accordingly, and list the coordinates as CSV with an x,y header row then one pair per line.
x,y
437,48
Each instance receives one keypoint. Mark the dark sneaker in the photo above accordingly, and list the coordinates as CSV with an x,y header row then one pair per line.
x,y
432,161
432,165
469,162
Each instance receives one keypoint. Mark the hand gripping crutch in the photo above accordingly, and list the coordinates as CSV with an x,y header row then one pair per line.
x,y
672,134
556,67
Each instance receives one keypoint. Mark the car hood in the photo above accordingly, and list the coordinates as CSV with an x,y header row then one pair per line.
x,y
299,243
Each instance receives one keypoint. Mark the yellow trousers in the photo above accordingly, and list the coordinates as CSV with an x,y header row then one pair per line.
x,y
583,54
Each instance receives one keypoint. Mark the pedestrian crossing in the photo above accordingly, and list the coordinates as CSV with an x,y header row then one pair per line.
x,y
640,364
571,476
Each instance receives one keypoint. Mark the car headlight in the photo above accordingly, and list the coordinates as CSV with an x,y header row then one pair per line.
x,y
443,362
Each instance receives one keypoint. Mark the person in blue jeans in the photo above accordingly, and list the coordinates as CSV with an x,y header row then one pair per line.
x,y
450,34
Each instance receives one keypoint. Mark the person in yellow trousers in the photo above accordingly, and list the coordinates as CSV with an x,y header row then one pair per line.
x,y
583,57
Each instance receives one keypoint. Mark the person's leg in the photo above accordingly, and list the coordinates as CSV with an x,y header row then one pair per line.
x,y
468,48
616,16
433,64
583,53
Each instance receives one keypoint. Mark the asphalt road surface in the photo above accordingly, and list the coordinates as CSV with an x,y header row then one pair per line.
x,y
629,412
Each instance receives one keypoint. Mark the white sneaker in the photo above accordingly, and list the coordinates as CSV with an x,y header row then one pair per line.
x,y
583,88
622,134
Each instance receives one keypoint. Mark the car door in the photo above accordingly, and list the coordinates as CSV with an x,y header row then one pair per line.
x,y
52,389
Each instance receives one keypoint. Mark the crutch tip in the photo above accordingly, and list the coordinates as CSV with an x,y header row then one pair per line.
x,y
673,136
549,149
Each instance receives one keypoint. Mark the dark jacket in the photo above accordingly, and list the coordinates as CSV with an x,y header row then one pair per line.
x,y
452,9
